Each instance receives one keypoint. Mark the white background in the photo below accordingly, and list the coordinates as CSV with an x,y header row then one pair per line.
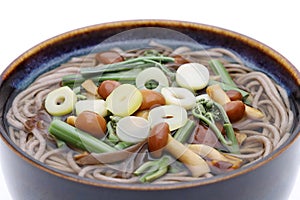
x,y
24,24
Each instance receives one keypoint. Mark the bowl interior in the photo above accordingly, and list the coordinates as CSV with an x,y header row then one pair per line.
x,y
135,34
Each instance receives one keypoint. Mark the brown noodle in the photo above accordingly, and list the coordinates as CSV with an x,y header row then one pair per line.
x,y
263,137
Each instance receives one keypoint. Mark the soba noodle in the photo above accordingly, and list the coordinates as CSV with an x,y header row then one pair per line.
x,y
263,137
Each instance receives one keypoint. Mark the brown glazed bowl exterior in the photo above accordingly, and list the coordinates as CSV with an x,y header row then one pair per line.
x,y
271,178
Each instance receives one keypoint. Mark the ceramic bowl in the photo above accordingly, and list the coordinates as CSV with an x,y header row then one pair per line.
x,y
270,178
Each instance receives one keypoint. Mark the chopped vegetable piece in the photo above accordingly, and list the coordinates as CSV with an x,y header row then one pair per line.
x,y
165,69
152,73
71,120
203,96
109,157
123,77
111,133
124,100
151,84
216,93
125,65
123,145
60,101
227,82
90,87
133,129
183,134
241,137
192,161
227,87
142,113
154,169
78,138
253,113
220,70
213,154
179,96
95,105
175,116
209,111
193,76
107,69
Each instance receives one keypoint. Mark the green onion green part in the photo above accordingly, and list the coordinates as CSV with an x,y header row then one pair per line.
x,y
207,112
219,69
125,65
226,81
184,133
73,136
74,80
152,170
123,145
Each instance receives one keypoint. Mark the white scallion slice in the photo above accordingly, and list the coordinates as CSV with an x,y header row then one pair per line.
x,y
133,129
179,96
60,101
154,74
193,76
175,116
124,100
95,105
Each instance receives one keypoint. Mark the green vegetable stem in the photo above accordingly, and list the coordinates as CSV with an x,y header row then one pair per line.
x,y
208,111
125,65
152,170
227,82
125,71
183,133
78,138
122,145
227,87
112,68
234,147
219,69
74,80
